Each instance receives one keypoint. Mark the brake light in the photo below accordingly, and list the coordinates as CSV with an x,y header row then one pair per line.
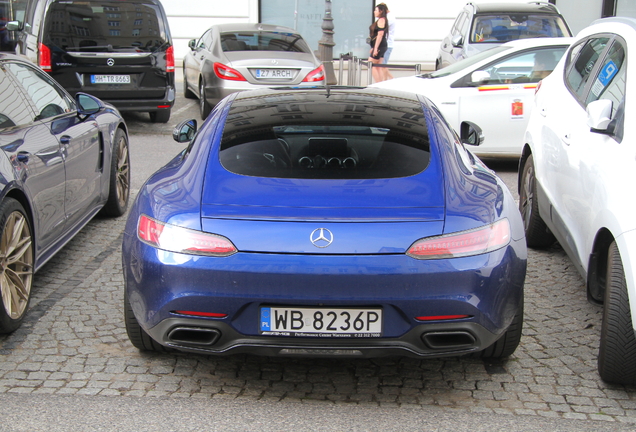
x,y
317,74
536,89
170,59
465,243
45,58
182,240
227,73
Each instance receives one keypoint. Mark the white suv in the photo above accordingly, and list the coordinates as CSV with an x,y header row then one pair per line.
x,y
577,174
479,27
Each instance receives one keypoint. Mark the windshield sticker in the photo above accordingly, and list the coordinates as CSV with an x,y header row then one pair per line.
x,y
604,78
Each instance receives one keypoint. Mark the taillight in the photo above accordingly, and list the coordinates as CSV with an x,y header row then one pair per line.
x,y
536,89
170,59
317,74
45,58
465,243
182,240
227,73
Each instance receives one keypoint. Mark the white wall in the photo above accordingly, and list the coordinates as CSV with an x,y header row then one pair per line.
x,y
421,24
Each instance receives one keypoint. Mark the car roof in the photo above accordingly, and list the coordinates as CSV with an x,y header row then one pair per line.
x,y
531,7
618,20
536,42
253,27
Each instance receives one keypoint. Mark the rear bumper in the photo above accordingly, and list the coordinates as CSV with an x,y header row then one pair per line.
x,y
487,288
165,102
425,340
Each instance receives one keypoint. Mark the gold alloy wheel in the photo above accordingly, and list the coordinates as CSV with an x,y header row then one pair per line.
x,y
16,261
123,171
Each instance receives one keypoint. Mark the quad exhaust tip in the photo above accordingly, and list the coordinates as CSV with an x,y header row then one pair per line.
x,y
195,336
449,339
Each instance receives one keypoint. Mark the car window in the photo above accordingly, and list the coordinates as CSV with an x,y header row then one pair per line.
x,y
46,99
581,61
507,27
263,41
205,40
526,67
13,110
459,24
104,26
360,142
609,82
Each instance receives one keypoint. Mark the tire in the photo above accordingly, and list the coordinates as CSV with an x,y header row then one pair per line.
x,y
187,93
617,351
508,343
119,182
538,234
137,335
204,106
161,116
16,262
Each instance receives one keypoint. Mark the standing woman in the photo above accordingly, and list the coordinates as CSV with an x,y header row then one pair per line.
x,y
378,32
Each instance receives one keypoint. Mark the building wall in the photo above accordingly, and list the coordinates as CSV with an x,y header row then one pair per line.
x,y
421,24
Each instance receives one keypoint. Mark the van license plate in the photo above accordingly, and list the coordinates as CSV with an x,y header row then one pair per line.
x,y
321,322
110,79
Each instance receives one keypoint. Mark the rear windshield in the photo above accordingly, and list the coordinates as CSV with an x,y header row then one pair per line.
x,y
507,27
263,41
357,138
105,26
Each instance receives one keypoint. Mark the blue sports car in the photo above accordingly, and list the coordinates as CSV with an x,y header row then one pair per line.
x,y
325,222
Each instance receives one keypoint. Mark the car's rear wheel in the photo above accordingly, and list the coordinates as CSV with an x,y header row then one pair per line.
x,y
119,187
203,102
187,93
137,335
16,264
537,233
161,116
617,351
508,343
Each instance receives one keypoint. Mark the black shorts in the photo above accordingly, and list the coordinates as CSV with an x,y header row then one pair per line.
x,y
381,51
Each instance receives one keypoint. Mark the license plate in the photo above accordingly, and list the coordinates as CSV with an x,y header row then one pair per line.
x,y
275,73
321,322
110,79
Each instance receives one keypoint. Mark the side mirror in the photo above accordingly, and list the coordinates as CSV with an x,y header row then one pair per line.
x,y
479,77
87,105
192,43
14,25
184,131
599,115
470,134
457,41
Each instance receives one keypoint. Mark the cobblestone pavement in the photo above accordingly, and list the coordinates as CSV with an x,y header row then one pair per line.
x,y
73,342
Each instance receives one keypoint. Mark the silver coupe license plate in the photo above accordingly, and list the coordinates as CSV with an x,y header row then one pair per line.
x,y
110,79
275,73
321,322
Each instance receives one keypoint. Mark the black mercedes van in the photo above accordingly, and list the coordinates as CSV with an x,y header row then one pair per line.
x,y
117,50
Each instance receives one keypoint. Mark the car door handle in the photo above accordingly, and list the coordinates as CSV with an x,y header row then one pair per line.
x,y
567,139
543,112
65,140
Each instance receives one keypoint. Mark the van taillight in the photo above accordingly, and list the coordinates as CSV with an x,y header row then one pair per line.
x,y
45,58
170,59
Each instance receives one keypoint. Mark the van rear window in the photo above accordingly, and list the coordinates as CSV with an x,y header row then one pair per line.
x,y
105,26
